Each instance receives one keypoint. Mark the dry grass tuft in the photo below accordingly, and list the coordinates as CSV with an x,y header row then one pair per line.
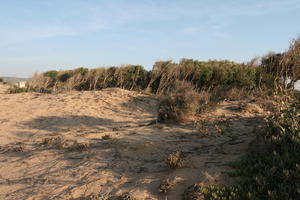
x,y
174,160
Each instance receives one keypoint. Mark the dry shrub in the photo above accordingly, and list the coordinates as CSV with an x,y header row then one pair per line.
x,y
174,160
125,196
252,108
284,67
39,83
182,102
229,93
269,105
17,149
61,144
234,94
51,141
206,101
179,104
106,137
14,148
169,184
94,197
80,147
165,186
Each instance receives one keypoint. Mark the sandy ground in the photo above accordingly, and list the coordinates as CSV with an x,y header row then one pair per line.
x,y
77,145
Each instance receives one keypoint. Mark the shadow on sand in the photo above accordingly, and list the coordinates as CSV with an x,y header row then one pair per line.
x,y
126,163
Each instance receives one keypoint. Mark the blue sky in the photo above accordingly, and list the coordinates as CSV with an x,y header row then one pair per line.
x,y
39,35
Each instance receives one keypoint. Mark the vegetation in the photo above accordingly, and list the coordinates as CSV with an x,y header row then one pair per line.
x,y
174,160
296,94
15,90
181,102
274,72
202,75
271,170
131,77
166,186
1,80
283,67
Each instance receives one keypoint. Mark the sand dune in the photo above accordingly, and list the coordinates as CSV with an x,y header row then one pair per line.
x,y
79,145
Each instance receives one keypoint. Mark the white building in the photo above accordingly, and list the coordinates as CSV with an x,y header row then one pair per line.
x,y
21,84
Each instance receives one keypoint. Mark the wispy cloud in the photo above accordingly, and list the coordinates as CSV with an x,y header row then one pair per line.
x,y
15,35
91,16
218,17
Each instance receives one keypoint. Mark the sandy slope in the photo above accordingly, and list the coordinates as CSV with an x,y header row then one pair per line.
x,y
73,145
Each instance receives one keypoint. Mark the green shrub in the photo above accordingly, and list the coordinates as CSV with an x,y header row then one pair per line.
x,y
203,76
15,90
82,71
51,74
198,192
65,76
132,77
